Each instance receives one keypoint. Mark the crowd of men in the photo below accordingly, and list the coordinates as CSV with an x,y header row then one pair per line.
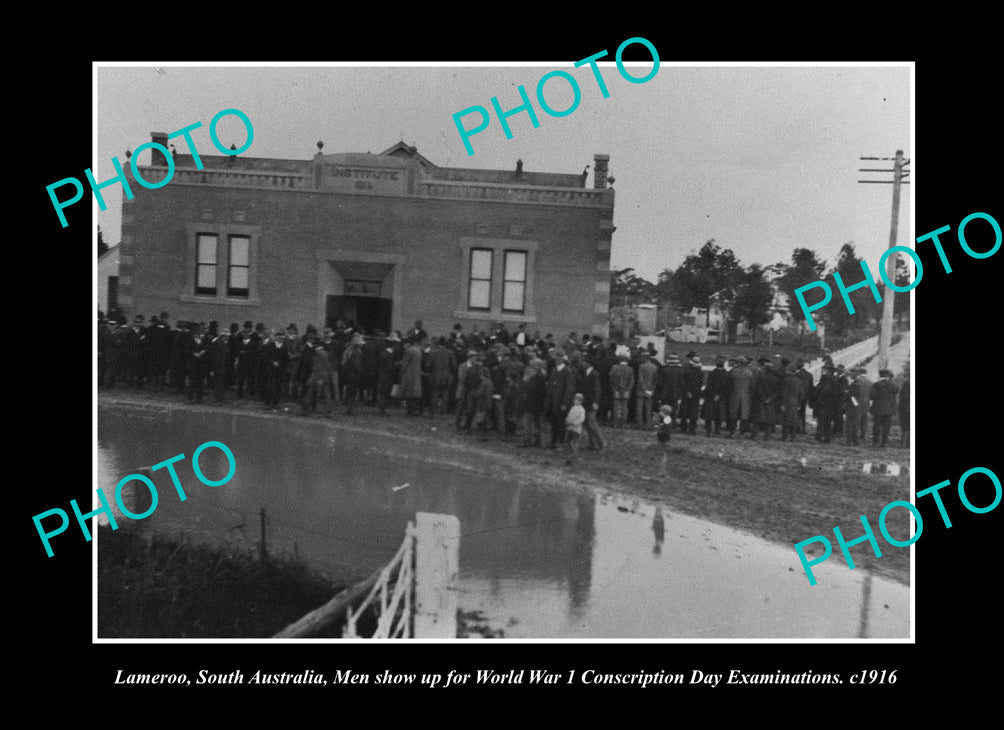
x,y
515,383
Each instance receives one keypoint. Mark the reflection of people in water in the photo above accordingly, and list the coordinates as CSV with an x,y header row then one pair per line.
x,y
662,434
659,528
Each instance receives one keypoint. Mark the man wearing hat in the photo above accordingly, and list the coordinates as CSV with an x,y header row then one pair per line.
x,y
808,383
411,375
468,381
352,371
159,336
838,412
219,359
417,333
883,397
247,346
591,389
767,397
856,406
827,393
181,339
274,359
532,394
442,366
560,396
740,390
134,351
715,397
648,375
621,383
319,382
693,381
197,365
671,384
789,398
294,348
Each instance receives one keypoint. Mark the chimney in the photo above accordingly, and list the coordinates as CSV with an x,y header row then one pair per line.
x,y
600,171
156,156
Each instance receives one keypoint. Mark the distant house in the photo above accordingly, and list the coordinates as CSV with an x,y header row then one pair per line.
x,y
108,279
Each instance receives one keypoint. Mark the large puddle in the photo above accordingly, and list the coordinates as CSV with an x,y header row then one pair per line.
x,y
535,561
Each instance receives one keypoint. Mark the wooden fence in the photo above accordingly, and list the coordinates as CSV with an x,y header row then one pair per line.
x,y
412,596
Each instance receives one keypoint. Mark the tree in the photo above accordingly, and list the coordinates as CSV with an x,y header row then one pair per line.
x,y
712,270
753,298
805,268
626,288
665,287
102,246
865,306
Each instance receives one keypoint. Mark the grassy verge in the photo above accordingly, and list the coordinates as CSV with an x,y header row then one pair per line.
x,y
159,587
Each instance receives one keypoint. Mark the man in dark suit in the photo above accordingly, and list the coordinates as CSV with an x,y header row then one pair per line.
x,y
740,392
274,358
716,397
197,363
692,382
827,393
560,395
591,391
808,384
219,360
883,396
417,333
671,384
856,406
247,347
352,370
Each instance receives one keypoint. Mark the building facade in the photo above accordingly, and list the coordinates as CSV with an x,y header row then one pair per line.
x,y
382,239
108,280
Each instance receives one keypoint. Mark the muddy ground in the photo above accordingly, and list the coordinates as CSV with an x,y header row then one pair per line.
x,y
781,491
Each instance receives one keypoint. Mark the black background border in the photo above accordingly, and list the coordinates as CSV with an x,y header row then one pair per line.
x,y
957,89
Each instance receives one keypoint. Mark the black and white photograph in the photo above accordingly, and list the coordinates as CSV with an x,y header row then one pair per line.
x,y
507,352
575,366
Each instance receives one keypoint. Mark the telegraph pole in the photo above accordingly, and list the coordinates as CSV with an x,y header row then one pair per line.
x,y
898,173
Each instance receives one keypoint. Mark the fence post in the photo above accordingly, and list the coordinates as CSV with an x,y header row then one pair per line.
x,y
437,549
263,549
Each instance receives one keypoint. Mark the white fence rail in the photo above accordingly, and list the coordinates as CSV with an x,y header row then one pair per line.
x,y
394,612
850,355
412,596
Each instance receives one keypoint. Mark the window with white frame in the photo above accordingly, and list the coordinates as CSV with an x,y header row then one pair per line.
x,y
205,267
479,290
514,282
220,262
239,266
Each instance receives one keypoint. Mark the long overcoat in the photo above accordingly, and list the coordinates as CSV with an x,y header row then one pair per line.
x,y
411,372
716,395
766,397
883,395
790,400
740,387
560,391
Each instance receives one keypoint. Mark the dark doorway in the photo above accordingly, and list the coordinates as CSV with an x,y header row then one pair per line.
x,y
369,313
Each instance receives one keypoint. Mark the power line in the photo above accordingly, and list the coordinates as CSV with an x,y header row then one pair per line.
x,y
898,173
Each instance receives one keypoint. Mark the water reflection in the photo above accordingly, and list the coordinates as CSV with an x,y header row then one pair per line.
x,y
659,528
538,562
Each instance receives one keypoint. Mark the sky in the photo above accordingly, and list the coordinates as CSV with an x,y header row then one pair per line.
x,y
763,159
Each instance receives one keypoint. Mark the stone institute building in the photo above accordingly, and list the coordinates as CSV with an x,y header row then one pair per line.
x,y
382,239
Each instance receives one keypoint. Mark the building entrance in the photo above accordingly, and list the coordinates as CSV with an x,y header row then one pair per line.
x,y
367,312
